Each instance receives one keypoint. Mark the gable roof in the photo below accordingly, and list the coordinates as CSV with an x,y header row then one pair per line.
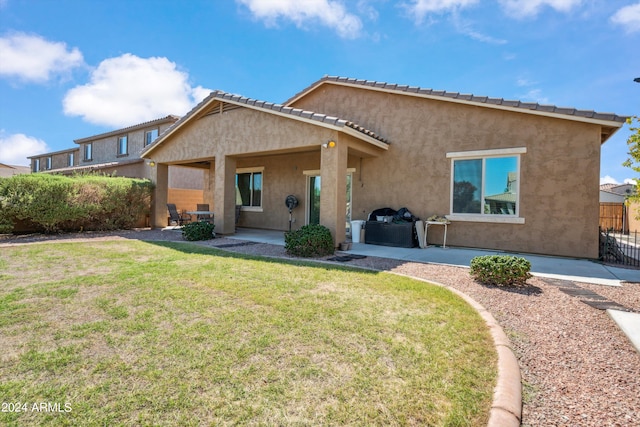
x,y
219,101
167,119
10,170
52,153
610,122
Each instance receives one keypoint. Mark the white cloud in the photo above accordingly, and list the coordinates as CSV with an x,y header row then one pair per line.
x,y
608,180
127,90
15,148
465,27
421,8
629,181
526,8
332,14
628,17
33,58
535,95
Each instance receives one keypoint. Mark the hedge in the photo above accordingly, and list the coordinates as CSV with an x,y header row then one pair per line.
x,y
53,203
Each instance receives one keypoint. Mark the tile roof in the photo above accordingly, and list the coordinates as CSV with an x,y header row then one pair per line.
x,y
223,96
92,167
469,98
169,118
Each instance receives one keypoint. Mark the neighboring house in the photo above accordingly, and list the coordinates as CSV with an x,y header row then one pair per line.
x,y
63,159
504,172
616,212
118,153
7,171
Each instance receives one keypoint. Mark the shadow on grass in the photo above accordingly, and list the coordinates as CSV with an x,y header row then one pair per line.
x,y
194,248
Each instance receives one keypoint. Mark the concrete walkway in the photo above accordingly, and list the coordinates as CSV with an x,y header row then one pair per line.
x,y
575,270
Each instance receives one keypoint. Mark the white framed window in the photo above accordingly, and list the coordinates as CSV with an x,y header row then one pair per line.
x,y
70,159
36,165
48,163
249,184
150,136
88,151
123,145
485,185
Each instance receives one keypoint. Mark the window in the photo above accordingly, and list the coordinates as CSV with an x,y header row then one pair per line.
x,y
36,165
485,185
48,163
249,188
123,148
88,148
70,159
150,136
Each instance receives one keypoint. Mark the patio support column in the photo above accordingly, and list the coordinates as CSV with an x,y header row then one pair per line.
x,y
224,194
333,198
160,177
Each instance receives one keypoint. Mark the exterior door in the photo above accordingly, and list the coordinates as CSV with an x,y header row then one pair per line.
x,y
313,199
314,186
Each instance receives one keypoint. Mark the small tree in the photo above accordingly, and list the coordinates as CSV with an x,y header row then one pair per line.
x,y
633,161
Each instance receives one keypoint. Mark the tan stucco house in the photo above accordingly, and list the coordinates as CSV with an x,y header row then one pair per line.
x,y
509,175
7,171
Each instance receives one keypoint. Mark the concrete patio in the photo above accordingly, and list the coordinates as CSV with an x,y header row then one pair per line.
x,y
578,270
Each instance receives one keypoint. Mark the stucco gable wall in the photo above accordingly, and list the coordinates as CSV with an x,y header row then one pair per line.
x,y
239,132
559,172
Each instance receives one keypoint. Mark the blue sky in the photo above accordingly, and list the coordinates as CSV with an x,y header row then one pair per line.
x,y
74,68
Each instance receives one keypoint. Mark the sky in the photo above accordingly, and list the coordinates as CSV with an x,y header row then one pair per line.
x,y
70,69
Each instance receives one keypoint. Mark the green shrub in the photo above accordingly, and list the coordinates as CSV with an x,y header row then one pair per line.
x,y
52,203
199,230
311,240
501,270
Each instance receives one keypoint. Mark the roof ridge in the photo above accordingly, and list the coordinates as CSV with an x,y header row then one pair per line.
x,y
513,103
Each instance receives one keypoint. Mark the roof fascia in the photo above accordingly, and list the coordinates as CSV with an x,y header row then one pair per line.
x,y
318,84
53,153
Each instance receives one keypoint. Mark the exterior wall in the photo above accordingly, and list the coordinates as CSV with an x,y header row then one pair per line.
x,y
7,171
186,178
58,160
607,197
239,132
106,149
558,195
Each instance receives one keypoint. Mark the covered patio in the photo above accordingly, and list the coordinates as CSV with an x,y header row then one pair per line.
x,y
232,137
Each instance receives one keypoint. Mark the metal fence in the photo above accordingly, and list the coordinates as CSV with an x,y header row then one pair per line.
x,y
620,249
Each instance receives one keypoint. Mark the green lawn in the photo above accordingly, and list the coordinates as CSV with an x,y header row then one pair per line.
x,y
135,333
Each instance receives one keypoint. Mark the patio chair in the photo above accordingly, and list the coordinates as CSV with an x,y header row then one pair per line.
x,y
174,215
204,207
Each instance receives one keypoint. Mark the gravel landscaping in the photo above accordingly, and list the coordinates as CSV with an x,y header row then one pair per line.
x,y
578,368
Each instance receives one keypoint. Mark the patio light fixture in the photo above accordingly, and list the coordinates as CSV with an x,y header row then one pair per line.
x,y
152,163
329,144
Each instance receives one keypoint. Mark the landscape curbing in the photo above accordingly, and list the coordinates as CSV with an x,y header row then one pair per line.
x,y
506,409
